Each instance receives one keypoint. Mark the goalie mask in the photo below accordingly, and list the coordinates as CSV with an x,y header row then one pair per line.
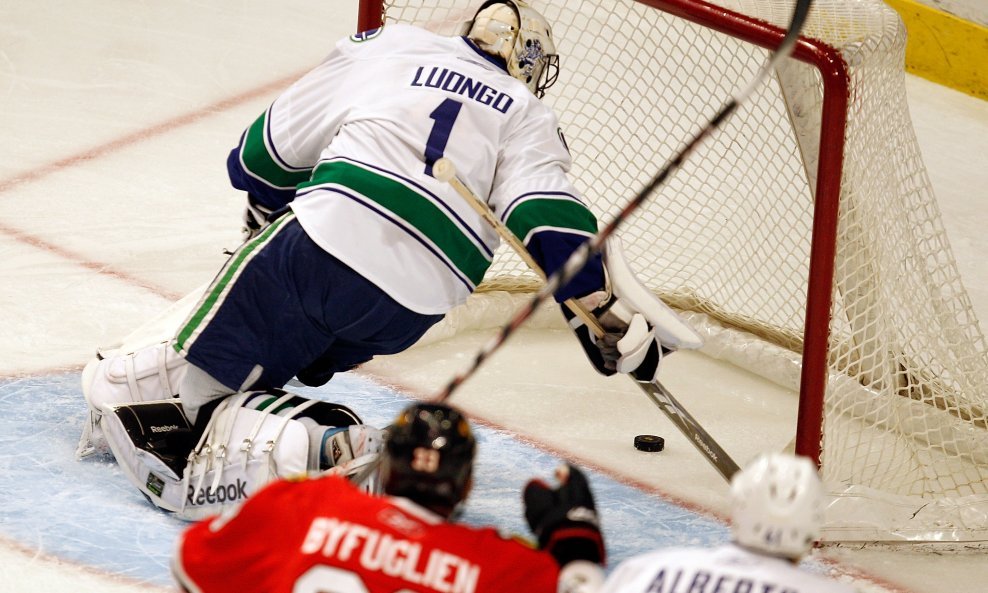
x,y
515,32
429,457
777,505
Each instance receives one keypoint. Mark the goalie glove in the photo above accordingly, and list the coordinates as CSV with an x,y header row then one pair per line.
x,y
257,216
564,519
639,329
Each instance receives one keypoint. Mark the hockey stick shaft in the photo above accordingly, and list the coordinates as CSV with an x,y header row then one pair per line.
x,y
655,391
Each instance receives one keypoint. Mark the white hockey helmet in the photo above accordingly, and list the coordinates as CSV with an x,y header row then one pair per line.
x,y
517,33
777,505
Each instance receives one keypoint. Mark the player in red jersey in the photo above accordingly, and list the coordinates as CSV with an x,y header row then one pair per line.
x,y
324,535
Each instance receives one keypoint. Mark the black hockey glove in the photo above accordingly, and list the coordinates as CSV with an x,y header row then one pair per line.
x,y
642,349
589,343
564,519
256,217
639,328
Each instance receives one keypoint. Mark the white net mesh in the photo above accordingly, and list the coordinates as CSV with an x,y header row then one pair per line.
x,y
729,235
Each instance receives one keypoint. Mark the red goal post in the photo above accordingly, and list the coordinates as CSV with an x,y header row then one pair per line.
x,y
803,238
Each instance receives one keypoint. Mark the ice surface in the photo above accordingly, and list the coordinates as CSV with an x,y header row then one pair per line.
x,y
116,120
86,512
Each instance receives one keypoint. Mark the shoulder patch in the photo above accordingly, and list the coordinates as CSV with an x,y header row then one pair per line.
x,y
365,35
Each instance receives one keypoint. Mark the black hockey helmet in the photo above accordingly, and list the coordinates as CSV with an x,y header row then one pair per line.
x,y
429,457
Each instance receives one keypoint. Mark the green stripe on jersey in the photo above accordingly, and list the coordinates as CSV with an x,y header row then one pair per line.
x,y
211,298
260,162
412,207
560,214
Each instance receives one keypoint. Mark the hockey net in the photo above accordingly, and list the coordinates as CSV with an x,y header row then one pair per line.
x,y
803,238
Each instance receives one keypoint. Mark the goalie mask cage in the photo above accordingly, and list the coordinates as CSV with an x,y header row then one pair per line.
x,y
802,239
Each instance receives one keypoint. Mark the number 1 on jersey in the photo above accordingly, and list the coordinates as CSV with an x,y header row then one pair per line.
x,y
445,117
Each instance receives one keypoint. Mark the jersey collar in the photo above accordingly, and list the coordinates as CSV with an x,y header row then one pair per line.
x,y
496,60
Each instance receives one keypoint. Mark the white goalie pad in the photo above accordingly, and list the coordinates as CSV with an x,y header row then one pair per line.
x,y
633,297
165,325
121,380
241,450
152,373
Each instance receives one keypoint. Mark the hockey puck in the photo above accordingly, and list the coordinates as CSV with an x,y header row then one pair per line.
x,y
649,442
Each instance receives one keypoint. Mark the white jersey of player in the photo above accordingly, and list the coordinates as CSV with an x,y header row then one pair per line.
x,y
359,133
726,569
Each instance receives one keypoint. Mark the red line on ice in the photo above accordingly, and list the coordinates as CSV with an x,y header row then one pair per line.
x,y
82,158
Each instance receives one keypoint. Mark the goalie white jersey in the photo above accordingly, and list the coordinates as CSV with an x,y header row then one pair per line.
x,y
351,147
726,568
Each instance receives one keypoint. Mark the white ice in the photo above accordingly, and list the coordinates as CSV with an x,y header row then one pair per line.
x,y
116,119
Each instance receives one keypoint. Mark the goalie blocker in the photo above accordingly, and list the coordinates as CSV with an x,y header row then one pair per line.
x,y
251,439
639,329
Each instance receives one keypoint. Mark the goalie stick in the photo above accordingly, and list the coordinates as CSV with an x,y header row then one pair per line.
x,y
444,170
579,258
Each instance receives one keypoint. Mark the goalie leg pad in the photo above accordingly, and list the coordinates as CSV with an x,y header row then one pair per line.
x,y
151,442
338,442
242,449
149,374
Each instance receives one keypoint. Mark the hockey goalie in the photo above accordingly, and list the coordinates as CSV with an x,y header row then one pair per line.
x,y
354,249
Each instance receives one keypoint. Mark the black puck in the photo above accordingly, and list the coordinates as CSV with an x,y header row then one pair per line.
x,y
649,442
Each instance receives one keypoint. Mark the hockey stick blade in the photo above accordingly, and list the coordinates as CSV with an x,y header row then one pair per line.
x,y
691,429
655,391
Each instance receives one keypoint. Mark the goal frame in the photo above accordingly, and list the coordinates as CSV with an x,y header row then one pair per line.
x,y
833,71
